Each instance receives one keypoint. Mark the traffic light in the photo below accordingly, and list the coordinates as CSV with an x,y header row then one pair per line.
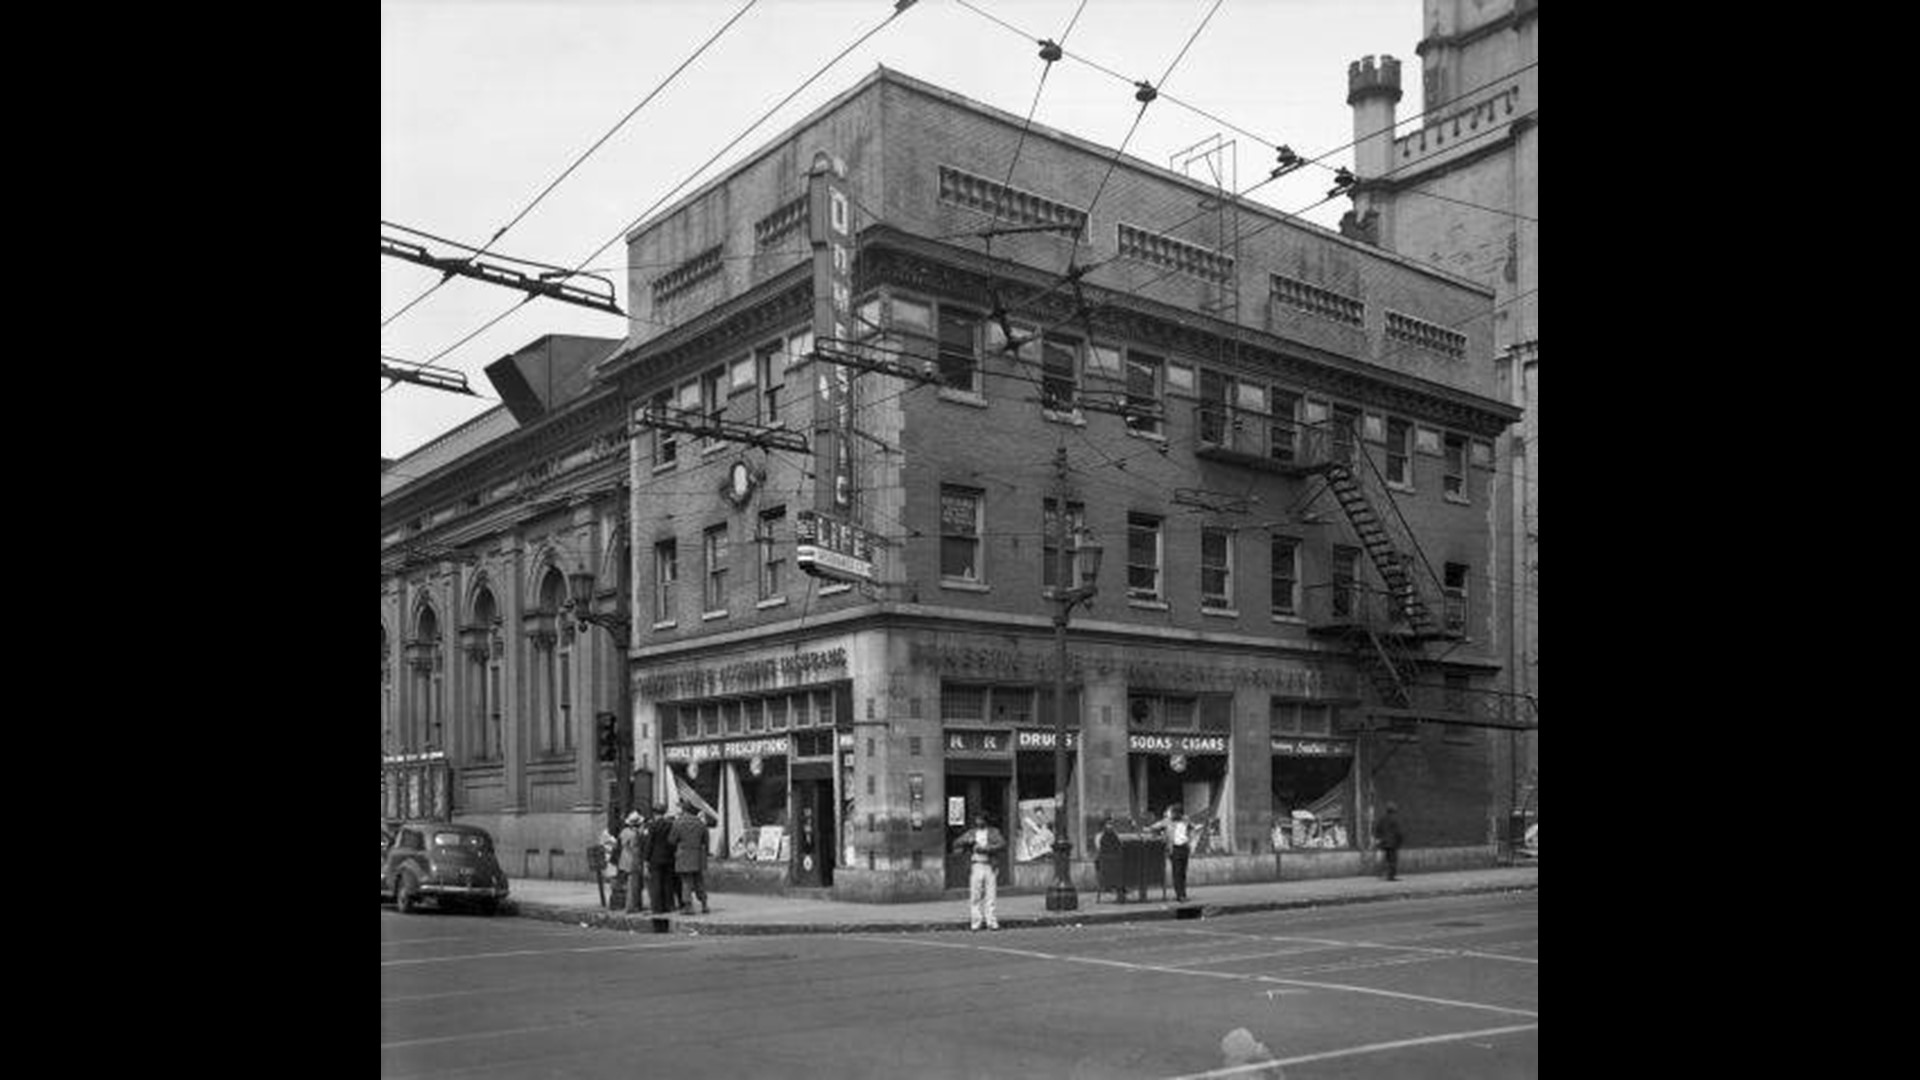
x,y
609,740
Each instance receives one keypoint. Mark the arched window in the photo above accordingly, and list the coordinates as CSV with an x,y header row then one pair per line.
x,y
483,668
425,734
556,669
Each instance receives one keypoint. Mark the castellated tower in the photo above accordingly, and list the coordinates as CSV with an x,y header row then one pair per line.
x,y
1372,91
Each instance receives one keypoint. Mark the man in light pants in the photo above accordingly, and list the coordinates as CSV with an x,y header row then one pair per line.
x,y
983,842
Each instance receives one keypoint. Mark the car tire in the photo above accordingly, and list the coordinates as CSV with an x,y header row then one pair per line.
x,y
406,895
489,907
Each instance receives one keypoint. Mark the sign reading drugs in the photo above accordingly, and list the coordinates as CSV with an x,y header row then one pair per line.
x,y
830,229
830,548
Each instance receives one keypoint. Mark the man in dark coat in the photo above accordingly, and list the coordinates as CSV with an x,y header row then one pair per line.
x,y
662,890
690,857
1386,834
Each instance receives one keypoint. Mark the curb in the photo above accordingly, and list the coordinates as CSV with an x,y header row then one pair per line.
x,y
695,925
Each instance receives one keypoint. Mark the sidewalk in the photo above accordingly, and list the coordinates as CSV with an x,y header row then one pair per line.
x,y
752,913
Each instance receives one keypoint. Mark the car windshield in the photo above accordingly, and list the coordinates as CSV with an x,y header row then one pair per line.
x,y
466,841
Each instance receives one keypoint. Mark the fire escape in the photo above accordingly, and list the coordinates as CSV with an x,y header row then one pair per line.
x,y
1389,627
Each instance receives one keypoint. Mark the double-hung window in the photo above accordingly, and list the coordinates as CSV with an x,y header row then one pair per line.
x,y
1050,541
1282,434
960,528
1285,575
959,350
666,570
1143,392
713,401
773,561
714,552
1346,580
1399,452
1455,590
1454,483
1059,373
1216,568
772,363
1143,557
666,444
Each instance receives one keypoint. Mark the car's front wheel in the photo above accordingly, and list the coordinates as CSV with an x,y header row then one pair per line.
x,y
406,895
489,906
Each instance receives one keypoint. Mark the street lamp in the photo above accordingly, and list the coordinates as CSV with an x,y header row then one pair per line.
x,y
1061,895
579,607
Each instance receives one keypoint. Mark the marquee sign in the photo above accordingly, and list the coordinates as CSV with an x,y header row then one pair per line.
x,y
1176,744
830,548
1038,739
830,229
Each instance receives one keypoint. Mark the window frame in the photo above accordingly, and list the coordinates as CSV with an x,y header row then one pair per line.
x,y
1454,613
1453,468
1157,525
1401,453
714,390
1222,600
975,538
1291,576
772,561
944,353
770,361
666,574
713,569
1155,400
1076,534
1075,349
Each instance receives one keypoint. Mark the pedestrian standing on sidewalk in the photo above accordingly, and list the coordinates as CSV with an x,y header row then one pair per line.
x,y
632,859
982,843
690,857
1179,845
663,893
1386,834
1109,860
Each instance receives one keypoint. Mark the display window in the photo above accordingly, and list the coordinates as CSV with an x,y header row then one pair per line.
x,y
1178,752
1312,805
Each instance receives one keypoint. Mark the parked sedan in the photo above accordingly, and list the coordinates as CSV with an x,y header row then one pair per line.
x,y
449,863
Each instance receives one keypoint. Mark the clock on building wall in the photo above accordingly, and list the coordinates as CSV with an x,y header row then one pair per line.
x,y
741,480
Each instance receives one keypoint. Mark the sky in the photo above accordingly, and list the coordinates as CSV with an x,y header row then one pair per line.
x,y
483,103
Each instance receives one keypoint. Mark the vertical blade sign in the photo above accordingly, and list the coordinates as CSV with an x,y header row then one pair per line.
x,y
830,228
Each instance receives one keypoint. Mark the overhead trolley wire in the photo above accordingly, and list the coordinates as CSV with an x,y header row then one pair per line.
x,y
899,7
568,171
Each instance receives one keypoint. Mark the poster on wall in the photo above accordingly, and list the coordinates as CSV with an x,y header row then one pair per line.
x,y
957,810
1036,830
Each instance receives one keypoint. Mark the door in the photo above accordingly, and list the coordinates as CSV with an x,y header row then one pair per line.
x,y
986,794
813,833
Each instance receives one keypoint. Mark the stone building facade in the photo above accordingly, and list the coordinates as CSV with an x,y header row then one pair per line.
x,y
1230,660
1462,192
489,689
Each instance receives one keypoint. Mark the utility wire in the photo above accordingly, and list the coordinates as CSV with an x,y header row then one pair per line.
x,y
900,6
568,171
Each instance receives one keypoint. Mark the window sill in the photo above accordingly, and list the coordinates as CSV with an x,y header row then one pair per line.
x,y
1292,620
709,616
771,602
836,590
667,625
710,450
1402,487
1071,419
666,466
1460,500
965,586
1224,613
1147,605
963,397
1150,436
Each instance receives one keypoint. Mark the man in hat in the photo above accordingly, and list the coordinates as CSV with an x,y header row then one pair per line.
x,y
1386,833
662,890
690,856
982,843
633,858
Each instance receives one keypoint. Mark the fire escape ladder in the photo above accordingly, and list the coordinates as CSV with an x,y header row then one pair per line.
x,y
1388,541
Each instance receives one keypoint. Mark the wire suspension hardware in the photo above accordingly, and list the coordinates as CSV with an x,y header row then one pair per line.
x,y
428,375
493,273
692,422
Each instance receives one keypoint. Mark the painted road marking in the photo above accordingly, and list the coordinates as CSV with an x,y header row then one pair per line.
x,y
1373,945
1370,1048
1232,975
494,1033
531,952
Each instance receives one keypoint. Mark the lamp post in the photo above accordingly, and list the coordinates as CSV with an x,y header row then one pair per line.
x,y
1061,895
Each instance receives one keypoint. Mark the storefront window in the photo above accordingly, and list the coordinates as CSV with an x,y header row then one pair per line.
x,y
1032,839
1312,805
1178,753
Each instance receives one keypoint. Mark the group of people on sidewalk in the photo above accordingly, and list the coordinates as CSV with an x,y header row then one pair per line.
x,y
666,854
669,854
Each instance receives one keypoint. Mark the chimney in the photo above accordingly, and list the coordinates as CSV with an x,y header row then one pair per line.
x,y
1373,91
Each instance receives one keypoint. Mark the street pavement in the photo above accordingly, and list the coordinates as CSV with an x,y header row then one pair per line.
x,y
1436,986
